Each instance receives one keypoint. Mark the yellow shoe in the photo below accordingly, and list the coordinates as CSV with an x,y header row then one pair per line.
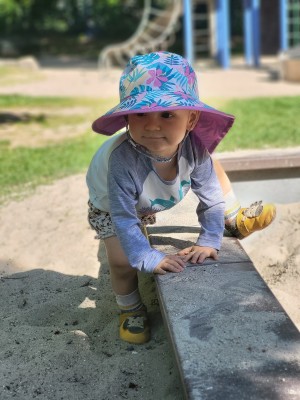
x,y
254,218
134,327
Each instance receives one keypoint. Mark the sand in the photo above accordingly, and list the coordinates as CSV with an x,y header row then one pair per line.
x,y
59,330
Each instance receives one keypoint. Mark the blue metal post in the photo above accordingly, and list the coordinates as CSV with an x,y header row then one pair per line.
x,y
283,25
248,42
188,30
251,9
223,40
256,31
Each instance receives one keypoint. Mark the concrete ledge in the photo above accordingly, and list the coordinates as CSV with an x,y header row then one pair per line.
x,y
231,337
258,162
261,165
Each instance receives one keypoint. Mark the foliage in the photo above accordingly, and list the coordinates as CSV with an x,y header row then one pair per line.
x,y
69,16
25,14
67,26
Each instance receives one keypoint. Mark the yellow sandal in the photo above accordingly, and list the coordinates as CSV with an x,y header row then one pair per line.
x,y
254,218
134,326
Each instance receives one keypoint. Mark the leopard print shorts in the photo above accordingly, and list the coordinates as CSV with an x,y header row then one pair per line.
x,y
101,222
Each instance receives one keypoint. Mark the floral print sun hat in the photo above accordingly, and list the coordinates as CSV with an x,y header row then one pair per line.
x,y
163,81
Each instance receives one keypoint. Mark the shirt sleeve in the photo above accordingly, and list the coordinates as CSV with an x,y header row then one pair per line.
x,y
122,200
211,205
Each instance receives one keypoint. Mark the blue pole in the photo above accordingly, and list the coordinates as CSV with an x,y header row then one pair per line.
x,y
248,42
223,46
256,31
188,31
283,25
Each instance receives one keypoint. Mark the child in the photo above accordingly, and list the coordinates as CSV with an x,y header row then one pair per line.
x,y
150,168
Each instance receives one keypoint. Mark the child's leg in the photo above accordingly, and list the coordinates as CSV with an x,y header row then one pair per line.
x,y
123,277
134,327
241,222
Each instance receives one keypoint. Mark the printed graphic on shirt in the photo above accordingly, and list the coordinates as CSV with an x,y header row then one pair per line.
x,y
158,195
163,203
184,188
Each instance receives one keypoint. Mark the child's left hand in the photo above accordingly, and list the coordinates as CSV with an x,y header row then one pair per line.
x,y
197,254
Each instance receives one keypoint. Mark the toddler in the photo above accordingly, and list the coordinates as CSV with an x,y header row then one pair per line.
x,y
163,152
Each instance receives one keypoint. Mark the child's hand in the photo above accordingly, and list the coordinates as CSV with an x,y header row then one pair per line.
x,y
171,263
197,254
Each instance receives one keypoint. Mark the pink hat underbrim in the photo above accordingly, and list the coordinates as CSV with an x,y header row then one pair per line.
x,y
211,128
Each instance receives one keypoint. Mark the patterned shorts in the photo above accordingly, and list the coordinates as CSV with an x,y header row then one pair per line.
x,y
101,222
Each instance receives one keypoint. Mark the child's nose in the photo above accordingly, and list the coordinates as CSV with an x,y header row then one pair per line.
x,y
152,122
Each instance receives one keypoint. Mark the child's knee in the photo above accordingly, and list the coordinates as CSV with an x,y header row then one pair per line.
x,y
123,271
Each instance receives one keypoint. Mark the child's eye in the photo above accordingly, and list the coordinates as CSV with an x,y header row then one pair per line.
x,y
166,114
140,114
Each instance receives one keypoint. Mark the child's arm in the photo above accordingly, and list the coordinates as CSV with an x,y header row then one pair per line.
x,y
123,195
210,209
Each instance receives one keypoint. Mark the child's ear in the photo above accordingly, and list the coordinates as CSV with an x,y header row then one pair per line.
x,y
193,119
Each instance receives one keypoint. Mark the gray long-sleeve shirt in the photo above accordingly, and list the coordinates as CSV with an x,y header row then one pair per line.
x,y
124,183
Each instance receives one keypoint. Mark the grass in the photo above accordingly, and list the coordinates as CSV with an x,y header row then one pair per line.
x,y
263,123
260,123
26,168
15,100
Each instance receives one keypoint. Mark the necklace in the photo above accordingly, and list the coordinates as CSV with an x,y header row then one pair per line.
x,y
143,150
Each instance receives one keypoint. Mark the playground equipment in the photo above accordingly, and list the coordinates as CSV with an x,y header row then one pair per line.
x,y
155,32
206,30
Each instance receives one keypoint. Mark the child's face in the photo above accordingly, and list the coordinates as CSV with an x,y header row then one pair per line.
x,y
161,132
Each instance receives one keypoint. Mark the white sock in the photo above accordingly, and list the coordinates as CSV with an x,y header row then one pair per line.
x,y
232,206
129,302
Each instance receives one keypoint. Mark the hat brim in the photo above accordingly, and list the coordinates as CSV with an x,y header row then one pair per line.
x,y
211,128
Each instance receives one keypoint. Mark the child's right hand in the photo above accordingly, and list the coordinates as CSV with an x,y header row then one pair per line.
x,y
171,263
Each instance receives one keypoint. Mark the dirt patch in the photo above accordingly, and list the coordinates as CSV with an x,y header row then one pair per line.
x,y
37,127
59,329
59,333
276,255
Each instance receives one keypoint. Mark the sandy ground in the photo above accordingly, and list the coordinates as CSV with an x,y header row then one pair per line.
x,y
59,332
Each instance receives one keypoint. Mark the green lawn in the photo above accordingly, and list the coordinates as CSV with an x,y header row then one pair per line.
x,y
260,123
67,148
25,168
263,123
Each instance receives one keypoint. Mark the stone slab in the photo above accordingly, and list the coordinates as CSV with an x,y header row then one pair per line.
x,y
231,337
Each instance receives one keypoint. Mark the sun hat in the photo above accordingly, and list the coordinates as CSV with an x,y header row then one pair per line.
x,y
163,81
